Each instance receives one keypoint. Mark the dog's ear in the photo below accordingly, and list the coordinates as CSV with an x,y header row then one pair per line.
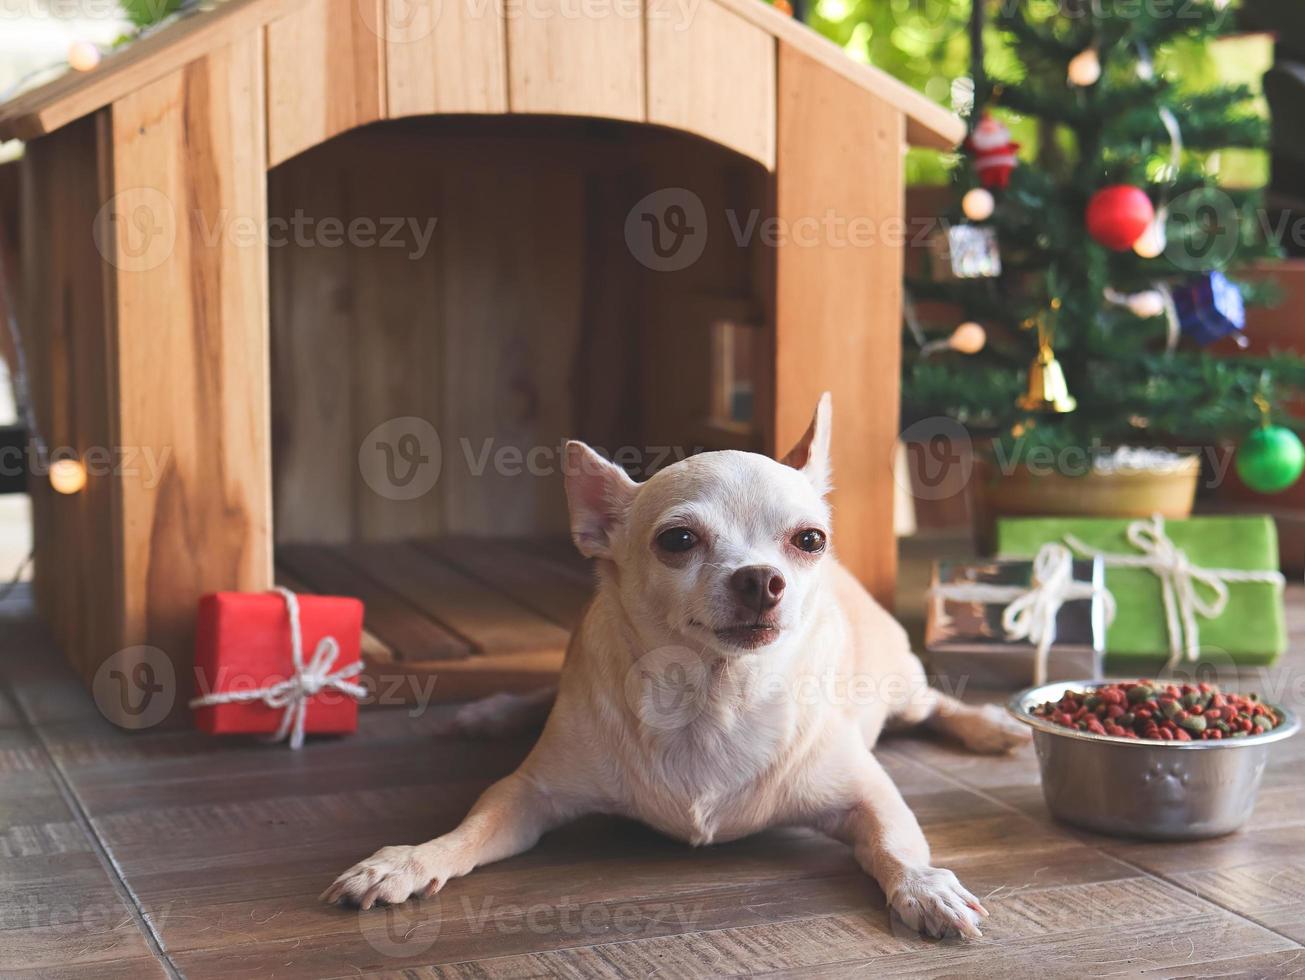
x,y
811,454
599,494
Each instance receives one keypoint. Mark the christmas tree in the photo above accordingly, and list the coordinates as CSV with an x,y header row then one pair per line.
x,y
1102,261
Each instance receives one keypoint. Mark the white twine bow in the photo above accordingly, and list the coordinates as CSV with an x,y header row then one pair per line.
x,y
1030,613
308,680
1181,583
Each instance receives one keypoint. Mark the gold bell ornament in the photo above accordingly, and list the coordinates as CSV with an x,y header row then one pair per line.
x,y
1047,389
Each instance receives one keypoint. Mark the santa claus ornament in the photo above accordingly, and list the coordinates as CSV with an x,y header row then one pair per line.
x,y
994,153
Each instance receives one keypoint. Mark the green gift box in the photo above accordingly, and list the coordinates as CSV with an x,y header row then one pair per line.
x,y
1250,630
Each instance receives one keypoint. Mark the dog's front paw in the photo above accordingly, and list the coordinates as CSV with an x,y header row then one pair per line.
x,y
990,730
932,901
390,876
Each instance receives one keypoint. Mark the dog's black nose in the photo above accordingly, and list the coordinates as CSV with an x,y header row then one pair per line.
x,y
758,587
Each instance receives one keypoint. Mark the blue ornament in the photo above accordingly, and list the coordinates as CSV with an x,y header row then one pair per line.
x,y
1210,307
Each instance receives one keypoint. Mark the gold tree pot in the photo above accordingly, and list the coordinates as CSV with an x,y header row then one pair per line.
x,y
1024,491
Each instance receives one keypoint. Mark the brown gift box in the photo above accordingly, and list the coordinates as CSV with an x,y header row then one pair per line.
x,y
966,643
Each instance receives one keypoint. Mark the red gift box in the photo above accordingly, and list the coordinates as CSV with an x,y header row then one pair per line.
x,y
243,645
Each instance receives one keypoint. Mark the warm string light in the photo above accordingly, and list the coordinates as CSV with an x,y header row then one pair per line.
x,y
968,338
83,56
1148,304
1155,239
978,204
1085,68
67,476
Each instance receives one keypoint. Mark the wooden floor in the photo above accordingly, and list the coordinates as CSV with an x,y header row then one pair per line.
x,y
171,854
460,617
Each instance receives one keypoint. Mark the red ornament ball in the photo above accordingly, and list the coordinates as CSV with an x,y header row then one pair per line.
x,y
1117,216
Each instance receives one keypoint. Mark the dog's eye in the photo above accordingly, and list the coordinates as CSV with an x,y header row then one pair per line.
x,y
810,541
676,539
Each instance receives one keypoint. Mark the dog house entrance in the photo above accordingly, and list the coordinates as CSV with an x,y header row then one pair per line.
x,y
452,298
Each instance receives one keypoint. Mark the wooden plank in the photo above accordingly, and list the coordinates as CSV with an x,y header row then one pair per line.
x,y
399,342
553,76
927,123
60,912
606,402
131,68
466,680
577,60
10,197
714,76
512,289
47,366
67,326
838,297
192,358
445,57
561,551
409,633
360,367
325,74
532,580
372,647
716,278
491,621
313,321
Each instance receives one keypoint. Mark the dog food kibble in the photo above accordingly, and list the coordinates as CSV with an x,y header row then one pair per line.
x,y
1162,712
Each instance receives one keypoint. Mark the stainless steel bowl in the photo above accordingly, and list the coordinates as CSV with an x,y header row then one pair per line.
x,y
1134,788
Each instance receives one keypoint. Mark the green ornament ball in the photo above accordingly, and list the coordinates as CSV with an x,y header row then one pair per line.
x,y
1271,459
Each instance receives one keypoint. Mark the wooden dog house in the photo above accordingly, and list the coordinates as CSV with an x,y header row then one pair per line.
x,y
216,328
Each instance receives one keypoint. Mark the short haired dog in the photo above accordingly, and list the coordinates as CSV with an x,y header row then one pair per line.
x,y
728,676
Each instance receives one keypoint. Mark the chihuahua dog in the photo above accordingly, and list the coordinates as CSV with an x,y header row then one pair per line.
x,y
728,676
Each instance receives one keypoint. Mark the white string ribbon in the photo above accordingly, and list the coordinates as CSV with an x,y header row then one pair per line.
x,y
1187,589
1030,613
308,680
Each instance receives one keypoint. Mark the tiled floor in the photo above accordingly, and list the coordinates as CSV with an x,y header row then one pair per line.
x,y
169,853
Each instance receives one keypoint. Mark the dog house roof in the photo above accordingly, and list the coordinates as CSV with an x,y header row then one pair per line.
x,y
714,37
